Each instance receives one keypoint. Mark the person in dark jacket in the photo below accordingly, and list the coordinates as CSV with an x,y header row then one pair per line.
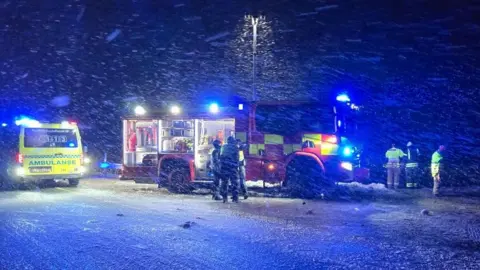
x,y
215,165
411,167
229,157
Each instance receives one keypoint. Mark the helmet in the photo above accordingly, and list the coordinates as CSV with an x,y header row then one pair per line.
x,y
409,144
231,140
217,143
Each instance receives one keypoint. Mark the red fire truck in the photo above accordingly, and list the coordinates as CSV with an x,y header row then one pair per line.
x,y
299,144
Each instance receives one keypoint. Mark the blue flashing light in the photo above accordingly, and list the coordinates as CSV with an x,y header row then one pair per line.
x,y
213,108
343,98
25,121
4,124
347,151
240,107
71,144
104,165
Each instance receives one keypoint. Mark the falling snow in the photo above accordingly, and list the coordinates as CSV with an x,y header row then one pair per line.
x,y
413,67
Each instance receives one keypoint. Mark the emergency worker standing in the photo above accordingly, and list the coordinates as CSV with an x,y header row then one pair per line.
x,y
411,167
217,145
229,157
241,169
393,156
437,167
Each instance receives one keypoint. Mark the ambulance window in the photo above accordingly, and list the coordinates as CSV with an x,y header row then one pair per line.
x,y
50,138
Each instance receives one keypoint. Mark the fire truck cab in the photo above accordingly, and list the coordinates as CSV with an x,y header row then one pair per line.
x,y
300,144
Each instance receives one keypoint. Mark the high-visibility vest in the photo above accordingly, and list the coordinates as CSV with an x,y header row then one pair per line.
x,y
437,158
393,155
241,158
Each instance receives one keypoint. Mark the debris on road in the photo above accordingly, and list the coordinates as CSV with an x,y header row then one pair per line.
x,y
426,212
188,224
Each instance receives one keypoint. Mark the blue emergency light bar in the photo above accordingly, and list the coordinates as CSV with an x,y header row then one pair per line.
x,y
27,122
213,108
343,98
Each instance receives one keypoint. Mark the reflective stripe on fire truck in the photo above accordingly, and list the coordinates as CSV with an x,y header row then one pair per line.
x,y
273,139
253,149
315,138
290,148
241,136
326,148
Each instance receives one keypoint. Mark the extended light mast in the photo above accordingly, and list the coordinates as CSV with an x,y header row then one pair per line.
x,y
254,21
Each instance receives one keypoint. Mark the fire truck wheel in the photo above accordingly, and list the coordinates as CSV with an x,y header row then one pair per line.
x,y
305,178
179,181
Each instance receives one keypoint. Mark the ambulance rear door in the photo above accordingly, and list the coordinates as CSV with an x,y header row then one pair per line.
x,y
51,150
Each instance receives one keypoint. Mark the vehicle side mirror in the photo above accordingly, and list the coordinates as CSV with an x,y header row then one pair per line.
x,y
261,152
308,144
85,149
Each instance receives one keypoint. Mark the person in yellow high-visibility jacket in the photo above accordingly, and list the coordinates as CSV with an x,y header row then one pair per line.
x,y
393,156
437,167
241,169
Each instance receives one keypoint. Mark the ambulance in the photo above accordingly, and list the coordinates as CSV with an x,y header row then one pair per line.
x,y
46,152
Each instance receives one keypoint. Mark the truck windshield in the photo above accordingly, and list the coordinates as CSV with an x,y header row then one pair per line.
x,y
292,119
50,138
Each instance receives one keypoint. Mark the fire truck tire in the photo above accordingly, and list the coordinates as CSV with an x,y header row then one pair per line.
x,y
175,176
305,178
179,181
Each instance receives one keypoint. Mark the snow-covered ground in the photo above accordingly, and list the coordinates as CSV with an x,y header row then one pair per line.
x,y
110,224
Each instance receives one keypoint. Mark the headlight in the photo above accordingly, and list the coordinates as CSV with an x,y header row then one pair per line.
x,y
347,166
271,167
20,171
87,160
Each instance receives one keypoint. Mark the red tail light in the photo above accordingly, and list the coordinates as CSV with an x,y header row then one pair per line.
x,y
19,158
330,138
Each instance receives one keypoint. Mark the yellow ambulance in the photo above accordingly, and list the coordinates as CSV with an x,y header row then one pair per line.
x,y
48,152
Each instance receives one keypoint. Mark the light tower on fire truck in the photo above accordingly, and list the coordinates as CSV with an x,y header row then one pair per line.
x,y
254,21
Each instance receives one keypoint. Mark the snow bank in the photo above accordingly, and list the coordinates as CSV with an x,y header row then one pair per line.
x,y
259,184
360,186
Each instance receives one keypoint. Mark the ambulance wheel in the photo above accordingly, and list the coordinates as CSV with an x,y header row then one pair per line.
x,y
47,183
305,178
73,182
27,185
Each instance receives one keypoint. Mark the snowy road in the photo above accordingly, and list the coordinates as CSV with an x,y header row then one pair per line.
x,y
106,224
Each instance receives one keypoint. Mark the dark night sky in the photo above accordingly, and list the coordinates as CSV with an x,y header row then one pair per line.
x,y
420,58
